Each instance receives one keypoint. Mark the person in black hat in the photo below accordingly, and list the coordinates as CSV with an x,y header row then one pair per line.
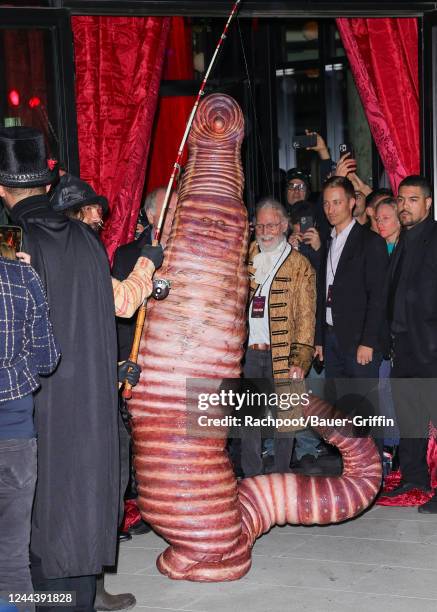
x,y
75,515
78,200
297,186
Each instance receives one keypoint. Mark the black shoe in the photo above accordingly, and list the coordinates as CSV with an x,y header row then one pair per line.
x,y
406,487
107,602
430,507
139,528
124,536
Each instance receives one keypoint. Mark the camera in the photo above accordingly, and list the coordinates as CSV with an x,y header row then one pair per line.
x,y
303,141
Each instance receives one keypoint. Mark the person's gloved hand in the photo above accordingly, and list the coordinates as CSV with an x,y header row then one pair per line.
x,y
154,253
130,371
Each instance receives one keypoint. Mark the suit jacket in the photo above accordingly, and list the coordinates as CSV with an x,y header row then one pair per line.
x,y
358,307
421,295
292,305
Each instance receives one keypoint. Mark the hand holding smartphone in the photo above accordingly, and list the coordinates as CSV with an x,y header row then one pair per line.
x,y
303,141
11,236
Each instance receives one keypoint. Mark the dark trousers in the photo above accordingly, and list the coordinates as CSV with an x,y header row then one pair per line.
x,y
83,586
343,364
258,365
414,388
18,465
352,387
125,443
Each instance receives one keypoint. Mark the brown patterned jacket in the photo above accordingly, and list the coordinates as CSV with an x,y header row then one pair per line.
x,y
292,312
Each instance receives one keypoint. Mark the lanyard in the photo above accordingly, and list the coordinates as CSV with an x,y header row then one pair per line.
x,y
260,287
330,263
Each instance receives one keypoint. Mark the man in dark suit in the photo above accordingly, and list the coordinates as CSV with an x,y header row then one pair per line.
x,y
412,318
350,308
127,255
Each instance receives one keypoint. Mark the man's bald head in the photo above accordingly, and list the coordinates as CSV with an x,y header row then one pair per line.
x,y
154,202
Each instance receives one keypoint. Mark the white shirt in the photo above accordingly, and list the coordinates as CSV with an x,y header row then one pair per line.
x,y
334,254
259,327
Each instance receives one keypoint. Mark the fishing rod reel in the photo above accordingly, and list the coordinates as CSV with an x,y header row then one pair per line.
x,y
161,288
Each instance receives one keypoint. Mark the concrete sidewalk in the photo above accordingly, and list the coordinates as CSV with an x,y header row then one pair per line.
x,y
386,560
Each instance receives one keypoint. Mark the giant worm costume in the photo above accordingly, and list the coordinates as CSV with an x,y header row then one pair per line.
x,y
187,488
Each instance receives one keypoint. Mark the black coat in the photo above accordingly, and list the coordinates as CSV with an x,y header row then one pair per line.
x,y
74,525
358,309
421,295
125,259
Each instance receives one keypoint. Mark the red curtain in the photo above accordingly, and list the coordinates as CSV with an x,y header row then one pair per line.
x,y
118,71
173,111
383,55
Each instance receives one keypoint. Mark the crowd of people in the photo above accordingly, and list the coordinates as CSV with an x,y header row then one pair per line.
x,y
342,286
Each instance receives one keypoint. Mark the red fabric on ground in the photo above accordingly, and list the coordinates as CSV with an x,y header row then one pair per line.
x,y
415,497
132,515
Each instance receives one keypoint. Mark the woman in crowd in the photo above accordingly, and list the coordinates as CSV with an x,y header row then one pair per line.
x,y
389,228
387,222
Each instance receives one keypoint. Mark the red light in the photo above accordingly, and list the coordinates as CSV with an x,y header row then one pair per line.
x,y
14,98
34,102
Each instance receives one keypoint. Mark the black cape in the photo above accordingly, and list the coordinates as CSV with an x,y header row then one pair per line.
x,y
74,525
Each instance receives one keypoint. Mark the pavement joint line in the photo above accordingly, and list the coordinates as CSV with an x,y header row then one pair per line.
x,y
326,535
285,556
331,590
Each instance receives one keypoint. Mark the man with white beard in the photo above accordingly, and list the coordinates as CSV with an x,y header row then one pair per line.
x,y
281,321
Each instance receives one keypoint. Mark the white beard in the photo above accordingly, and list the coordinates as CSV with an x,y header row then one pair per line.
x,y
265,261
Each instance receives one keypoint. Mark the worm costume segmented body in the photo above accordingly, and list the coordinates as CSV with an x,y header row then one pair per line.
x,y
187,488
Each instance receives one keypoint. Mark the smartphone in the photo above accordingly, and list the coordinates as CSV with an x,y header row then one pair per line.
x,y
12,236
303,141
318,365
347,147
306,223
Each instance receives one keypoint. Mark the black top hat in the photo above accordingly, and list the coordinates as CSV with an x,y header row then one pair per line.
x,y
71,194
23,158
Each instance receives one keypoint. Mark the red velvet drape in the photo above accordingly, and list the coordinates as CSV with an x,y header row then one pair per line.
x,y
173,111
118,71
383,55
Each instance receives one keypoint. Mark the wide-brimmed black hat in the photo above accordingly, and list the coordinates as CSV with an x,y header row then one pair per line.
x,y
23,158
71,193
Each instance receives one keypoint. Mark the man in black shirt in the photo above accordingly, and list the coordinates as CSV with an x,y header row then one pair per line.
x,y
411,314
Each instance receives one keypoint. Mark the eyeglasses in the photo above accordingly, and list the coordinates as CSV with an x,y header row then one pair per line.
x,y
296,187
269,227
208,222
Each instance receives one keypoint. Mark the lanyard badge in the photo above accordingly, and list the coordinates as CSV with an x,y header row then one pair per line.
x,y
258,306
